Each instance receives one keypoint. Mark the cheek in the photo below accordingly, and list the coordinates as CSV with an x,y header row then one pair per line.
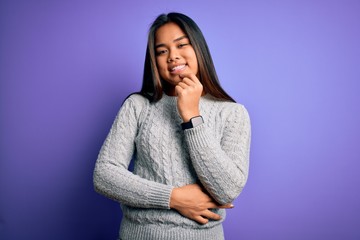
x,y
162,71
193,58
195,66
161,64
194,62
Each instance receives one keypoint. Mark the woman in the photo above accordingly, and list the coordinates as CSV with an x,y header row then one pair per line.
x,y
189,140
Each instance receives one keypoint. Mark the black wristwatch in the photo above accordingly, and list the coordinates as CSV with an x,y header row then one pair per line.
x,y
194,122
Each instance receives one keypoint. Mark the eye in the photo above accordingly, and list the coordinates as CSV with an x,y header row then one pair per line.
x,y
182,45
161,52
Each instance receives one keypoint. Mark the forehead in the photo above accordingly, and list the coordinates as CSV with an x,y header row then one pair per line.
x,y
168,33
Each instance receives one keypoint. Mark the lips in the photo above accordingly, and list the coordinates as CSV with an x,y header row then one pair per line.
x,y
178,68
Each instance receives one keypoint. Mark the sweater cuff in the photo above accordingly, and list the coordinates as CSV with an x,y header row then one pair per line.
x,y
159,196
197,137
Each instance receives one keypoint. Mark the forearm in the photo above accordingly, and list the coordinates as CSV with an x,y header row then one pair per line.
x,y
123,186
222,178
222,166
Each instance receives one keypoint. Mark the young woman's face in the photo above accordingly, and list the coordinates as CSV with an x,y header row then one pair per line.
x,y
174,54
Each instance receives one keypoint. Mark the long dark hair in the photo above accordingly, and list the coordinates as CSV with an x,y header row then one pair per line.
x,y
152,87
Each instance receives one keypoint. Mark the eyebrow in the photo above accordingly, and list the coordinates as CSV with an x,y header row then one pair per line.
x,y
175,40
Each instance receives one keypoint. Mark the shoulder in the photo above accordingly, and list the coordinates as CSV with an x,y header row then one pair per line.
x,y
135,104
227,110
234,117
136,99
235,112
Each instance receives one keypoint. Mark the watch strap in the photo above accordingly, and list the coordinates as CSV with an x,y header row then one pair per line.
x,y
194,122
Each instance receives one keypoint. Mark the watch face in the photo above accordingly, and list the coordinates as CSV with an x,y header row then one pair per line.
x,y
196,121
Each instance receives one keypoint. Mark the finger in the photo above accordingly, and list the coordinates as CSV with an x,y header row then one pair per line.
x,y
191,76
201,219
211,205
230,205
211,215
182,85
178,90
188,81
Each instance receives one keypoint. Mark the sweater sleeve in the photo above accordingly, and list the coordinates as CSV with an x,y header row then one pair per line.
x,y
222,166
111,175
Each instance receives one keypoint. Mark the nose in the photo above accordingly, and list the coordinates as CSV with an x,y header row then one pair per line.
x,y
173,55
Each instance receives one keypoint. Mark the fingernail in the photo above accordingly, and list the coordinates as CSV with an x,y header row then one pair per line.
x,y
232,206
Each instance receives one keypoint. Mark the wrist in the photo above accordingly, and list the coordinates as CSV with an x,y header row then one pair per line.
x,y
187,118
173,198
192,123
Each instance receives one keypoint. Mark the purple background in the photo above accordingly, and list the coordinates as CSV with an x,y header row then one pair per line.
x,y
66,66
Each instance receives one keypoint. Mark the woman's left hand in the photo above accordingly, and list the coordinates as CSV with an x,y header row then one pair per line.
x,y
188,91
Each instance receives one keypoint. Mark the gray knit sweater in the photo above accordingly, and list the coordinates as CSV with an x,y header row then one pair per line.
x,y
215,154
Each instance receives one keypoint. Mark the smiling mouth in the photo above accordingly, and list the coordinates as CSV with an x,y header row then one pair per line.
x,y
178,68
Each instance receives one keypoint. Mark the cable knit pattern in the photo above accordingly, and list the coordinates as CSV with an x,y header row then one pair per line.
x,y
215,153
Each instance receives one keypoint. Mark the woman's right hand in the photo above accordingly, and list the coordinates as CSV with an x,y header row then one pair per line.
x,y
192,202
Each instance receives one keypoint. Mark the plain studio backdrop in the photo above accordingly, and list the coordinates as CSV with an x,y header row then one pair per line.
x,y
66,66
